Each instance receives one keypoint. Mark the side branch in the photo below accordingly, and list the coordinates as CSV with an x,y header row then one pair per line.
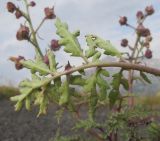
x,y
125,66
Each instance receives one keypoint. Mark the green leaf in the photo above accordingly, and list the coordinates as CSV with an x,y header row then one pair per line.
x,y
103,85
113,96
124,83
33,84
53,93
52,61
21,97
90,82
18,105
104,73
27,88
116,80
108,48
90,52
68,39
96,57
144,76
90,42
77,80
36,66
28,103
64,98
43,105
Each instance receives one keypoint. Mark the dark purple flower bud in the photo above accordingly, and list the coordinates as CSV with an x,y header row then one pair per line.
x,y
49,13
149,10
124,42
146,33
17,62
23,33
32,4
123,20
140,15
148,53
18,14
11,7
68,66
46,60
142,31
54,45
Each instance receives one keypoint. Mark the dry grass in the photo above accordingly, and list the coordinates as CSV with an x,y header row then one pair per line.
x,y
7,91
149,101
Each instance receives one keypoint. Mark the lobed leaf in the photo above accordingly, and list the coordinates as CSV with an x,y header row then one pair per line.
x,y
108,48
68,39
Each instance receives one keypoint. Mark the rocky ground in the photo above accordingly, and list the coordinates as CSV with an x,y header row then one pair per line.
x,y
24,126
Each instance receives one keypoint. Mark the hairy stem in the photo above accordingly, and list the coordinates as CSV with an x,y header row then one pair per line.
x,y
124,66
39,26
131,72
36,45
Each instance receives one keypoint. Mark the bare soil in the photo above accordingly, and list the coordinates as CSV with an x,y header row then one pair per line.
x,y
25,126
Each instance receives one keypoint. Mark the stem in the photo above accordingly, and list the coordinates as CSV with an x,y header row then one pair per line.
x,y
124,66
36,45
41,23
135,46
130,26
131,72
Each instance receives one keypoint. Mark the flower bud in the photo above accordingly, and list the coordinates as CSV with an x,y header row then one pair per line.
x,y
148,53
18,14
123,20
49,13
17,60
11,7
149,38
140,15
124,42
46,60
149,10
55,45
142,31
23,33
68,66
32,4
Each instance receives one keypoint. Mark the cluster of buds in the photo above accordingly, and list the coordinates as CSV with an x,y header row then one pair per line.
x,y
13,9
140,30
18,13
23,32
17,62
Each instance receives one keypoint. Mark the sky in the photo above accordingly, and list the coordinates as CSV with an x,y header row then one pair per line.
x,y
98,17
